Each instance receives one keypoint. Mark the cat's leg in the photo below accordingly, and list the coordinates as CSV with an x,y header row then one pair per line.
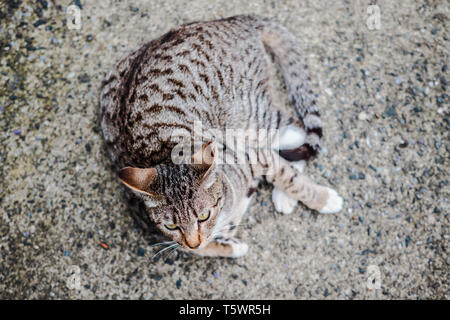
x,y
229,248
282,202
288,141
291,137
295,186
298,186
283,175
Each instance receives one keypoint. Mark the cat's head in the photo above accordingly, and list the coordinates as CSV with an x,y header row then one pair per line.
x,y
184,200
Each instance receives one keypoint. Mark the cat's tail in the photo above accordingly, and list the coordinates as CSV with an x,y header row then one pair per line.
x,y
289,59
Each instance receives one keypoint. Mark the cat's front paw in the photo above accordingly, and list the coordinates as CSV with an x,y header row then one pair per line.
x,y
240,249
334,202
229,248
283,203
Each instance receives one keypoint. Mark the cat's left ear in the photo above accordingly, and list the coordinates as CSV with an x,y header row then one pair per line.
x,y
205,160
140,181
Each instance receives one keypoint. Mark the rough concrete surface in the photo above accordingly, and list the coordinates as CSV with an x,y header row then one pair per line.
x,y
383,96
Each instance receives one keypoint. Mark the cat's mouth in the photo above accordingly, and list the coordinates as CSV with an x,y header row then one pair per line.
x,y
193,248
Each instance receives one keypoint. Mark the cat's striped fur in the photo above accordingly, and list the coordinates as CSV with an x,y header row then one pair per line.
x,y
217,73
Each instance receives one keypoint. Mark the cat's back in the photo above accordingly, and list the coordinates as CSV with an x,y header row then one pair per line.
x,y
192,73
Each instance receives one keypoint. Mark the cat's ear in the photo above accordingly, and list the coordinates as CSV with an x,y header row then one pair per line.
x,y
140,180
204,161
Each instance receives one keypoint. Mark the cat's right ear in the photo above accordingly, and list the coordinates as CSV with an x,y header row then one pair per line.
x,y
140,181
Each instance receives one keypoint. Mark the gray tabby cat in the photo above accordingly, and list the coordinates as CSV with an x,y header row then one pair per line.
x,y
215,73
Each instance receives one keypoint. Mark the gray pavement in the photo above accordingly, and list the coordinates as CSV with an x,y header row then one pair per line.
x,y
383,96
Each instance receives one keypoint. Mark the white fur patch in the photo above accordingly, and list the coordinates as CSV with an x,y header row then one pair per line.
x,y
283,203
299,165
239,249
221,221
224,218
334,202
244,204
291,137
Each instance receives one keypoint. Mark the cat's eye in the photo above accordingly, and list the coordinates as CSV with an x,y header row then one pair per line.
x,y
171,226
204,216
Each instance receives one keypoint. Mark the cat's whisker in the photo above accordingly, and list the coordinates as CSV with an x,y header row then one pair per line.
x,y
224,229
241,225
165,249
172,251
161,243
234,226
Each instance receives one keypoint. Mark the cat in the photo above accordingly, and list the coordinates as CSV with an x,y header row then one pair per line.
x,y
215,73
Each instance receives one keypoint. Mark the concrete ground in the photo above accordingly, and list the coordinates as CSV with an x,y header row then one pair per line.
x,y
383,95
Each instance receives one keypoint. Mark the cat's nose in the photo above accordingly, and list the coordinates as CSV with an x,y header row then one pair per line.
x,y
193,241
195,246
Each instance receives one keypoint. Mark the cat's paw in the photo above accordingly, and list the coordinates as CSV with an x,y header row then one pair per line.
x,y
283,203
334,202
240,249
